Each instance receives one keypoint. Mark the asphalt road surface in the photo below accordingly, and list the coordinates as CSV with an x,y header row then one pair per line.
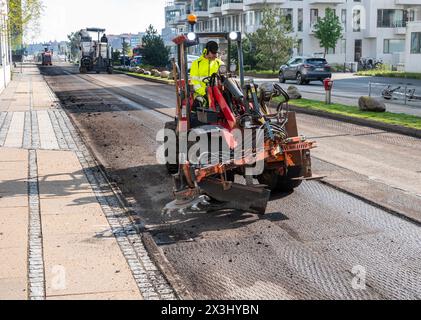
x,y
348,88
356,85
315,243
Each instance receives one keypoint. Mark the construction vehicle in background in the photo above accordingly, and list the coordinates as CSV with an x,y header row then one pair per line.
x,y
235,106
96,55
47,57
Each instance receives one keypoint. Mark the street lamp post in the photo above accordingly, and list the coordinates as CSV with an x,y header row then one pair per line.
x,y
3,28
124,50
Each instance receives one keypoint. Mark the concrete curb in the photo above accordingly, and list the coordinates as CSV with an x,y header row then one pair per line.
x,y
166,268
361,122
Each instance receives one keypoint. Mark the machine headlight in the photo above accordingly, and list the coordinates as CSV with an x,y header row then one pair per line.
x,y
191,36
233,35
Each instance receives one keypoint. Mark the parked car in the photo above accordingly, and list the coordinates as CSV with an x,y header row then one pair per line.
x,y
136,61
305,69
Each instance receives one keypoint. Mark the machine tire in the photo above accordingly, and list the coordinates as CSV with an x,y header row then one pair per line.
x,y
110,71
287,185
281,77
277,183
83,70
270,179
172,168
299,78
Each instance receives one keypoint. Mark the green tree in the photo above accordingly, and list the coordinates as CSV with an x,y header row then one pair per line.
x,y
24,20
328,30
271,42
126,48
250,54
116,57
74,45
154,53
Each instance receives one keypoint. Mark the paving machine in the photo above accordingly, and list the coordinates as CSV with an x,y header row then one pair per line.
x,y
259,151
95,54
47,57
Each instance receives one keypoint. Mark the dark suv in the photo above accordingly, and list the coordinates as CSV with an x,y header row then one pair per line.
x,y
304,70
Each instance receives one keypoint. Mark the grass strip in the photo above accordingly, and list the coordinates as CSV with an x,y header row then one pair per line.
x,y
390,74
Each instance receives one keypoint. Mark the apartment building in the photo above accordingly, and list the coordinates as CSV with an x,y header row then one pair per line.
x,y
382,29
5,53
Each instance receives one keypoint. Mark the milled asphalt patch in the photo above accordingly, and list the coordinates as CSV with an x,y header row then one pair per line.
x,y
377,194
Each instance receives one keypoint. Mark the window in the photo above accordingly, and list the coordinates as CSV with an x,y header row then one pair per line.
x,y
358,50
393,45
300,20
357,21
343,46
389,18
415,42
314,16
287,13
200,5
343,19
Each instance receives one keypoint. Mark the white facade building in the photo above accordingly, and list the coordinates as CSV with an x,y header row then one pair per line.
x,y
5,53
413,47
372,28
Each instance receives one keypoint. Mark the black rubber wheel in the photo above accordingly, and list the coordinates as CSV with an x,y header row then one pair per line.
x,y
83,70
287,185
281,77
299,78
277,183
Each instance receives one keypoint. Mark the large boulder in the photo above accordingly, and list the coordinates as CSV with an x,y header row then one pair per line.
x,y
156,73
294,93
370,104
141,71
165,74
148,73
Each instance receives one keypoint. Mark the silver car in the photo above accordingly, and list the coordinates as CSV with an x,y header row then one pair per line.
x,y
304,69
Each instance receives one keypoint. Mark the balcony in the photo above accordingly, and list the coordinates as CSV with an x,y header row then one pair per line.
x,y
215,11
400,30
232,6
256,4
327,2
215,7
408,2
200,8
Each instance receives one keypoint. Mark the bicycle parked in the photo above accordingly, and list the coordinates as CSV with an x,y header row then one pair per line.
x,y
389,91
370,64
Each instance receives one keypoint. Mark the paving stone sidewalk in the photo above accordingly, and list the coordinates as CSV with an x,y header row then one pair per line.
x,y
63,232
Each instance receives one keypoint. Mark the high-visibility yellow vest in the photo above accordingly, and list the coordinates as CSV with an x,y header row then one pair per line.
x,y
200,69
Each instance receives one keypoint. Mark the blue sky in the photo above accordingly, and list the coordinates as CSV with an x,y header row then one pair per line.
x,y
117,16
